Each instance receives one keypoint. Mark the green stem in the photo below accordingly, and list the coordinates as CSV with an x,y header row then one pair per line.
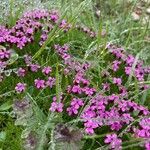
x,y
43,135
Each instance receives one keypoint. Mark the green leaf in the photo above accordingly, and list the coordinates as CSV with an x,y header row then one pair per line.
x,y
58,87
7,105
69,146
14,56
2,47
2,136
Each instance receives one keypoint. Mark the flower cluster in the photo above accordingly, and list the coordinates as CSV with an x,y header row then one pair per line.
x,y
5,55
114,141
143,131
106,104
99,111
20,87
57,105
75,105
86,30
129,60
31,22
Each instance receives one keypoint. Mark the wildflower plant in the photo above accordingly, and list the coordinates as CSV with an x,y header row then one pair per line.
x,y
61,98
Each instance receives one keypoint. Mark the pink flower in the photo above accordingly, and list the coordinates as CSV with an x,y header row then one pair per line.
x,y
116,126
54,16
90,125
117,81
128,70
56,106
76,103
88,91
47,70
21,72
89,130
114,141
34,67
20,87
2,65
76,89
147,145
40,84
50,82
126,117
4,54
113,97
145,123
130,60
28,59
29,31
106,86
123,91
115,65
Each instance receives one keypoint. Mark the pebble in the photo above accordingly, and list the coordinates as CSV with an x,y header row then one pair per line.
x,y
148,10
145,20
98,13
146,1
135,16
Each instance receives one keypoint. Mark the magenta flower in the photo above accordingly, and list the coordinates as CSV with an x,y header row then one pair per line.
x,y
142,133
1,78
40,84
114,141
21,72
123,106
44,37
55,98
54,16
117,81
88,91
106,86
130,60
22,42
76,89
123,91
90,125
115,65
128,70
72,111
139,73
56,106
147,145
4,54
145,123
116,126
76,103
65,25
88,114
3,65
34,67
47,70
89,131
20,87
50,82
113,97
28,59
29,31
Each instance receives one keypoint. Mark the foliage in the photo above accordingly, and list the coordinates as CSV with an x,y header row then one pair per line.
x,y
68,69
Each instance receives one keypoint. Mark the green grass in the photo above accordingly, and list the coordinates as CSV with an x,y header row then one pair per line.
x,y
120,29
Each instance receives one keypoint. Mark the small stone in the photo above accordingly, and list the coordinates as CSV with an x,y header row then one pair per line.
x,y
145,20
148,10
135,16
146,1
98,13
103,33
